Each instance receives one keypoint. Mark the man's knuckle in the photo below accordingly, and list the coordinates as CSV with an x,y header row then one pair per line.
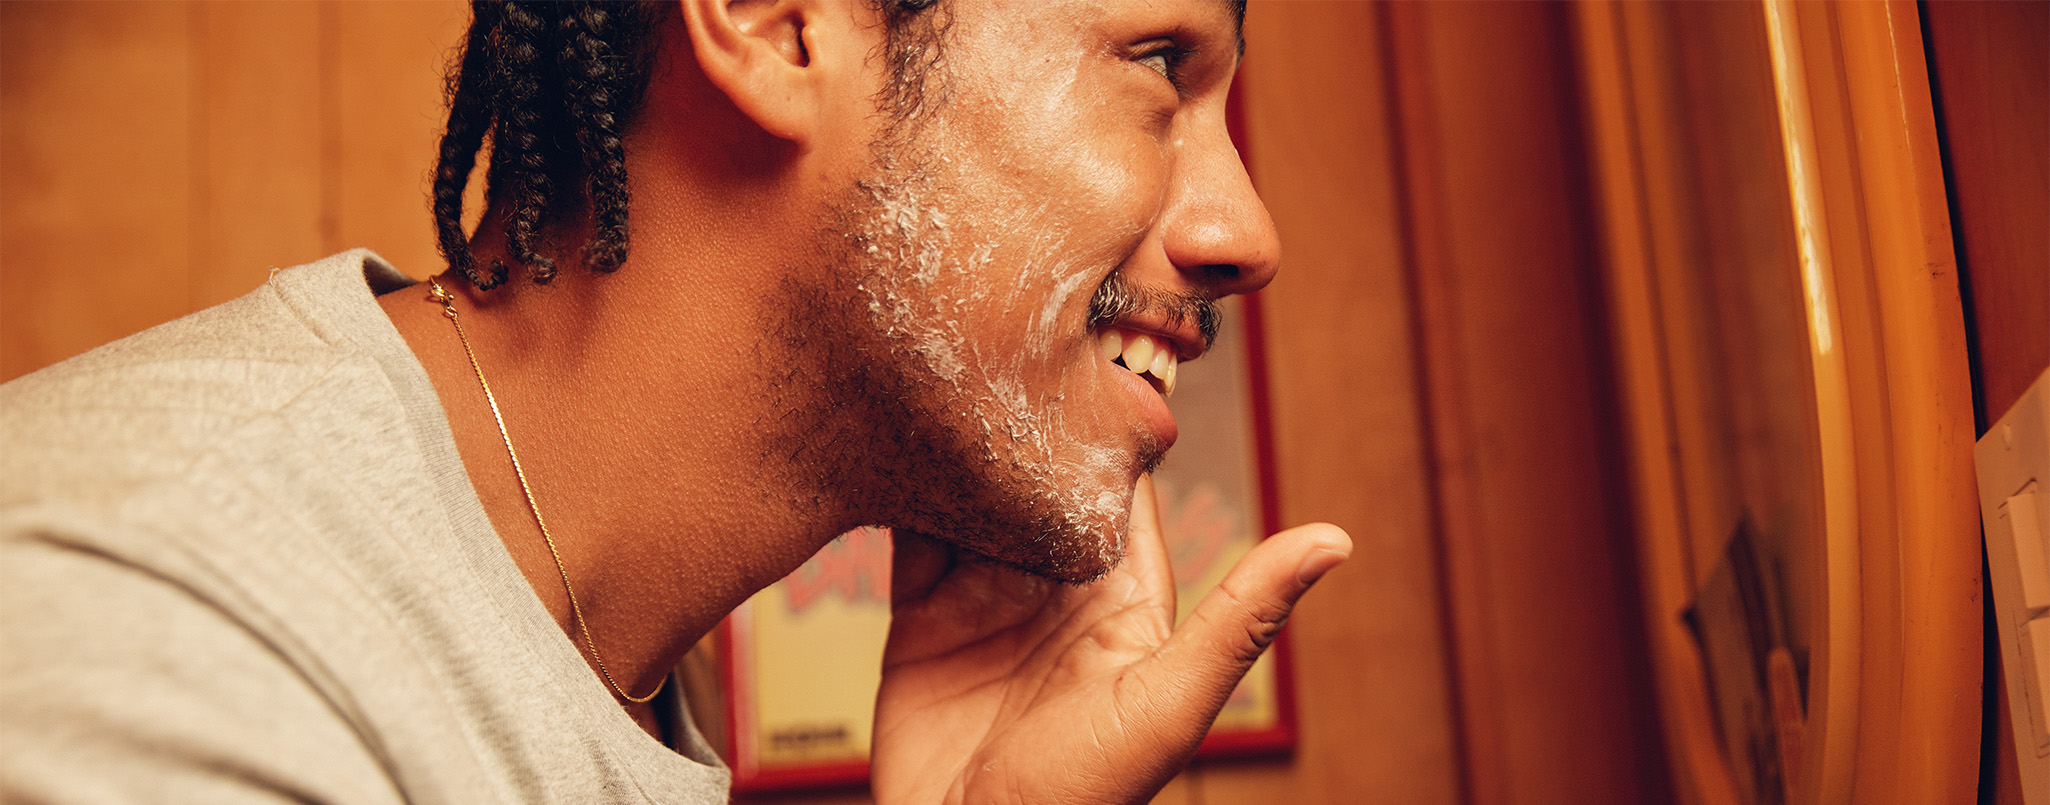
x,y
1259,635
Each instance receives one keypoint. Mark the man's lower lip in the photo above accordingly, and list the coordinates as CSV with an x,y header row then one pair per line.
x,y
1153,410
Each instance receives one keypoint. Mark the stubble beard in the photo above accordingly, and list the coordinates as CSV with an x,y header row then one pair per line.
x,y
939,437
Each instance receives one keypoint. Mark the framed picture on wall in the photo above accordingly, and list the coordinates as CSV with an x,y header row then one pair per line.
x,y
799,664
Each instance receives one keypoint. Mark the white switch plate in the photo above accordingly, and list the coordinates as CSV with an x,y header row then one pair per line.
x,y
2023,512
2014,476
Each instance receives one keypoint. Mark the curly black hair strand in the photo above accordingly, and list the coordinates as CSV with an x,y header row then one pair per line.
x,y
553,87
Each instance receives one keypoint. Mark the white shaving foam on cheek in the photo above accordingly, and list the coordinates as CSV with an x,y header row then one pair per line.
x,y
911,238
924,289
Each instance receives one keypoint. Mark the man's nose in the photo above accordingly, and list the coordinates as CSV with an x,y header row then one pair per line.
x,y
1218,233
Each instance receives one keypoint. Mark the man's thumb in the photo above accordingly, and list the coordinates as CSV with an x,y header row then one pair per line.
x,y
1237,620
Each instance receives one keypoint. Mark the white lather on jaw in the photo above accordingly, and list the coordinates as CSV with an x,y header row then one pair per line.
x,y
1142,354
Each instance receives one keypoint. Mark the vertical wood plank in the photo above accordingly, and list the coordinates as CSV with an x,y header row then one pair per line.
x,y
1371,676
257,194
389,112
1990,62
95,171
1553,683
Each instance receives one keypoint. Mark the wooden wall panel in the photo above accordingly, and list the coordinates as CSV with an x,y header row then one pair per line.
x,y
387,60
157,158
1552,675
1371,673
1990,63
256,168
96,151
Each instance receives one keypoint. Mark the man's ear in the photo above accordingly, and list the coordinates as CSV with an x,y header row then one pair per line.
x,y
758,52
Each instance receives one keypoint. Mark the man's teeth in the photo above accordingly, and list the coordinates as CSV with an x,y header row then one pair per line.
x,y
1142,354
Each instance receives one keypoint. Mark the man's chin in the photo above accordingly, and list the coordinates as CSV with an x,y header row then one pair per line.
x,y
1067,554
1074,571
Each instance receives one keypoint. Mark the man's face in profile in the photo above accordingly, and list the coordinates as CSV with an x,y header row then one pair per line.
x,y
1063,153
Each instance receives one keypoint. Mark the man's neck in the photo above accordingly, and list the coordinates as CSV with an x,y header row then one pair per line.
x,y
643,444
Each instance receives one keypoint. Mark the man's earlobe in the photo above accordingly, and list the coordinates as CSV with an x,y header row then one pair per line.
x,y
758,53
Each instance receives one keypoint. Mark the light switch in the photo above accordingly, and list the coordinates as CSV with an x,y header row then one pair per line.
x,y
2023,513
2035,651
2013,460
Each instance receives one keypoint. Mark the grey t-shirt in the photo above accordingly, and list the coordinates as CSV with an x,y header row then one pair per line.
x,y
240,561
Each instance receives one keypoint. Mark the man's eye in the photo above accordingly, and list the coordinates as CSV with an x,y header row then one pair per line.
x,y
1166,59
1159,63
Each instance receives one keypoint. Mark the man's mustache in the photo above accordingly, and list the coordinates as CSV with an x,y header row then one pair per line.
x,y
1118,298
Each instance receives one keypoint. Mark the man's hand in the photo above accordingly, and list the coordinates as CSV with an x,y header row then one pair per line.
x,y
999,687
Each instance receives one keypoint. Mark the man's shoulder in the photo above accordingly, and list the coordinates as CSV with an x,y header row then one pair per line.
x,y
210,436
215,513
152,404
300,317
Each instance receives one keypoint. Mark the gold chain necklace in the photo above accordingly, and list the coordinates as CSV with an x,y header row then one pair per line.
x,y
576,613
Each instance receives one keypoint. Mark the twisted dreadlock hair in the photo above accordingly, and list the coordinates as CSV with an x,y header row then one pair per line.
x,y
554,86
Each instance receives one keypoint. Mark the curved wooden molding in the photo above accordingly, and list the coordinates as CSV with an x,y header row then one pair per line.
x,y
1833,678
1907,405
1894,671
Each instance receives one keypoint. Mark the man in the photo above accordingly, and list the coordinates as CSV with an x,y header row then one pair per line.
x,y
924,265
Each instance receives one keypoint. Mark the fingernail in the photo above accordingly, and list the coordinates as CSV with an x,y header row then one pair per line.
x,y
1316,565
